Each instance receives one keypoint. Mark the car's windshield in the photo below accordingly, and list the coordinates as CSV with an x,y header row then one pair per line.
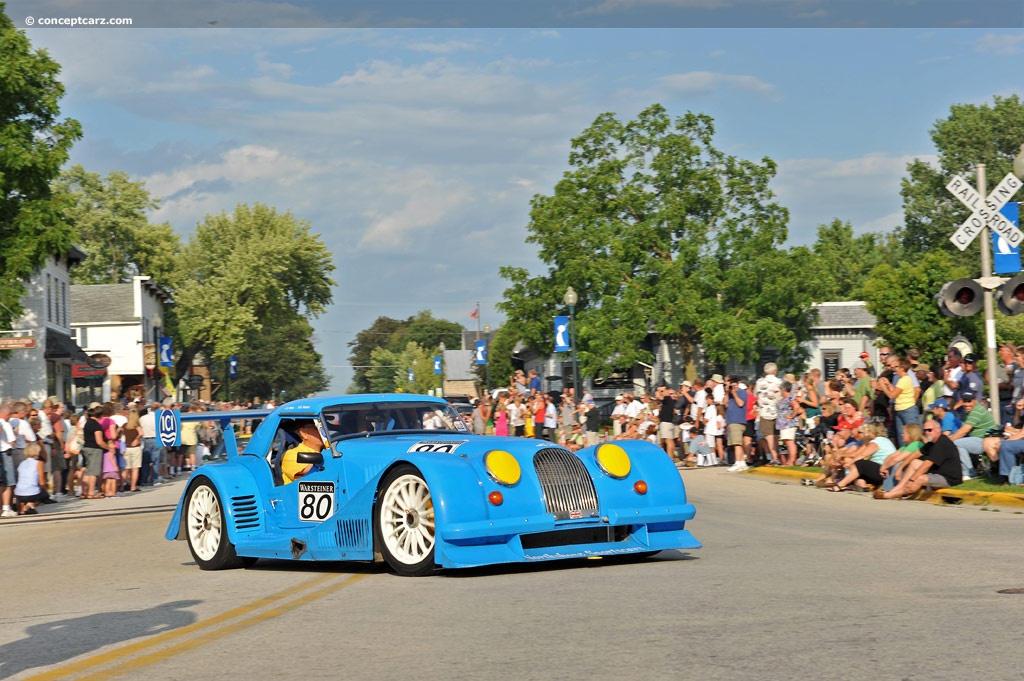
x,y
360,420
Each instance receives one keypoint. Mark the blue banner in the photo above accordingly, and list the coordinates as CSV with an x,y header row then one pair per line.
x,y
164,350
412,376
233,367
1006,258
437,364
561,334
481,352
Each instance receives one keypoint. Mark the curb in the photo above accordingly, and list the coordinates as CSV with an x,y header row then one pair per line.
x,y
939,496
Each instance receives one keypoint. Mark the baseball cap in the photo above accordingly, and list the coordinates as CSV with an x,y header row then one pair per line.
x,y
967,396
864,355
619,396
860,364
941,402
970,358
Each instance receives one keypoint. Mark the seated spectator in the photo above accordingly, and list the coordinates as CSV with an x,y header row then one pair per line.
x,y
1005,450
937,467
863,464
849,418
892,468
968,439
29,490
833,464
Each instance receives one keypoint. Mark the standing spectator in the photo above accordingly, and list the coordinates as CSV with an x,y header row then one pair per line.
x,y
23,433
150,449
717,385
550,420
810,402
1006,370
518,383
863,390
972,381
868,366
501,416
517,416
736,423
538,408
92,452
931,389
132,433
768,390
618,415
634,407
952,372
666,420
787,421
534,383
902,393
54,411
480,415
7,472
714,427
568,414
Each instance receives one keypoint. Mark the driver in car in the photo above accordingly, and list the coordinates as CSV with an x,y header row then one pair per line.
x,y
309,443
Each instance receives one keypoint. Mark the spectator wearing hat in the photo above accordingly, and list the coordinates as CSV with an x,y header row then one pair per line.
x,y
717,385
944,416
971,381
863,390
952,371
618,415
1006,369
868,366
968,438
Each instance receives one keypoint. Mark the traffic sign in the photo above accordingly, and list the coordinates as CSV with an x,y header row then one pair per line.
x,y
169,427
985,211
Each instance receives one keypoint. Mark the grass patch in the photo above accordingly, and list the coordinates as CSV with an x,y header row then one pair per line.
x,y
979,485
802,469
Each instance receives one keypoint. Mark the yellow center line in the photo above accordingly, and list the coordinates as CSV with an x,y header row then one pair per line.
x,y
160,639
185,646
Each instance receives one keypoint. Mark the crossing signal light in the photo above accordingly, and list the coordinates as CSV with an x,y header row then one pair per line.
x,y
1010,296
962,298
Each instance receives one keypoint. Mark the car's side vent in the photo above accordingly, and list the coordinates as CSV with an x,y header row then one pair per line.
x,y
354,533
568,489
246,513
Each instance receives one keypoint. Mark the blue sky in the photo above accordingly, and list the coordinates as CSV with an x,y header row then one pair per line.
x,y
414,152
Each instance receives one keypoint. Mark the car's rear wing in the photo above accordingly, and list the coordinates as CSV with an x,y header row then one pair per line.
x,y
169,427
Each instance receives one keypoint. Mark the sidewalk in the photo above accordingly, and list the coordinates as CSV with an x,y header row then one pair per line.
x,y
939,496
155,499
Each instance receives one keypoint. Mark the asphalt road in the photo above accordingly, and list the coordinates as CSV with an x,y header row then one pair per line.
x,y
793,583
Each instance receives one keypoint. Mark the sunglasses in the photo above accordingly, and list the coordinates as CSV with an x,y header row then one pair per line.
x,y
929,430
883,354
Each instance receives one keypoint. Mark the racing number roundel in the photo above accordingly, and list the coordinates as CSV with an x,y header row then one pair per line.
x,y
316,501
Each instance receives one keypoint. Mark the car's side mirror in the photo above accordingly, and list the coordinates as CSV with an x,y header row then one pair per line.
x,y
315,458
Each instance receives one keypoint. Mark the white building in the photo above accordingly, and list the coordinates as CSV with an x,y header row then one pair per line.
x,y
43,369
124,322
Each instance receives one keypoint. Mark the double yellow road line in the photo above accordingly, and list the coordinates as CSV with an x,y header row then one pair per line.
x,y
134,656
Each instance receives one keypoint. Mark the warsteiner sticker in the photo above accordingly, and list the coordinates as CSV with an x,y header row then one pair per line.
x,y
442,446
316,501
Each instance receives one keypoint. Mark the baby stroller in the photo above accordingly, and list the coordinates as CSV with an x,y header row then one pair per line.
x,y
810,443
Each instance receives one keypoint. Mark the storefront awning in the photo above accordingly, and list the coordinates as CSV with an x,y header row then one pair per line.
x,y
59,346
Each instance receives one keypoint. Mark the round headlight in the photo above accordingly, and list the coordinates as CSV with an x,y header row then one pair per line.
x,y
613,460
502,467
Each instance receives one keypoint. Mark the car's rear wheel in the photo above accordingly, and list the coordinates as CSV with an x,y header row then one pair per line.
x,y
405,522
206,529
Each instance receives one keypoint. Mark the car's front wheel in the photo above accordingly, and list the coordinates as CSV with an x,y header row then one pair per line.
x,y
405,522
206,529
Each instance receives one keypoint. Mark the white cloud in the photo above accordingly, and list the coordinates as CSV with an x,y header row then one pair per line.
x,y
1000,44
608,6
423,201
704,82
444,48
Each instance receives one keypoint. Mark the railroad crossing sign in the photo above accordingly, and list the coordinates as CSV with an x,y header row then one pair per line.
x,y
985,211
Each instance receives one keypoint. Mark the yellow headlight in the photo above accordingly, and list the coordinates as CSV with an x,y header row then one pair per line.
x,y
502,467
613,460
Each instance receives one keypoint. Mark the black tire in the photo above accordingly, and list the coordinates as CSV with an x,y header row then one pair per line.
x,y
206,529
404,527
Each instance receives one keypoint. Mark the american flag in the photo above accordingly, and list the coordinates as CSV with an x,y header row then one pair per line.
x,y
475,313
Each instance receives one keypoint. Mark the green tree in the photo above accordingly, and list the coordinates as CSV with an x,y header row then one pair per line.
x,y
390,372
240,272
837,264
972,133
110,223
659,231
422,329
902,298
34,144
279,358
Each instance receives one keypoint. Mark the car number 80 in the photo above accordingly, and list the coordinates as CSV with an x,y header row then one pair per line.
x,y
316,501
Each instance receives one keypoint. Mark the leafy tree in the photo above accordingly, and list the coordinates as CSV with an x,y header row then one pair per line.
x,y
109,218
659,231
362,346
973,133
837,264
902,299
34,144
390,372
422,329
277,359
240,272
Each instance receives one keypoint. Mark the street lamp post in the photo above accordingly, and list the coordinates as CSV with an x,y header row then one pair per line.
x,y
571,299
441,348
487,359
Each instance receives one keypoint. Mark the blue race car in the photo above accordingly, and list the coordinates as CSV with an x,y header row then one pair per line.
x,y
401,479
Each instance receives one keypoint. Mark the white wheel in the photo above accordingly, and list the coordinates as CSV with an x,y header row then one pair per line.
x,y
206,529
405,522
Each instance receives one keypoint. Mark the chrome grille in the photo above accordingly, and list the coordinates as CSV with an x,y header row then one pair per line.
x,y
246,512
568,489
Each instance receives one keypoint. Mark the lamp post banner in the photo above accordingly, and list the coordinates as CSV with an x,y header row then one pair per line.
x,y
562,334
